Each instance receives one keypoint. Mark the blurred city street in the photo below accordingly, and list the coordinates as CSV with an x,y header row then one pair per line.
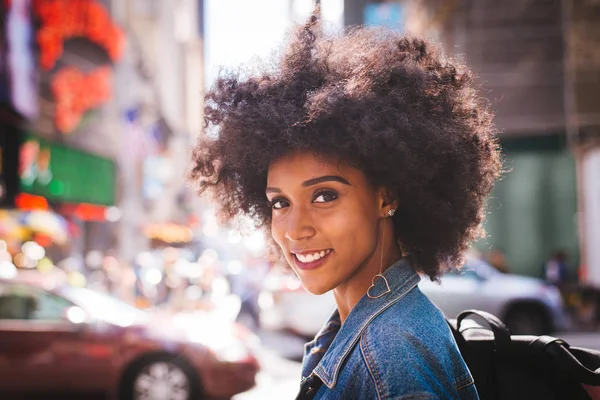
x,y
118,279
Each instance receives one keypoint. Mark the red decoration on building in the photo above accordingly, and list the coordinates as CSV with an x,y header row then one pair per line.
x,y
84,211
25,201
64,19
75,93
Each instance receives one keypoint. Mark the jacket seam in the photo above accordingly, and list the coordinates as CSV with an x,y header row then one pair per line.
x,y
371,367
321,373
464,383
430,396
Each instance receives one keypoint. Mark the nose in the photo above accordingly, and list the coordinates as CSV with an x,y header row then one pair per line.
x,y
299,225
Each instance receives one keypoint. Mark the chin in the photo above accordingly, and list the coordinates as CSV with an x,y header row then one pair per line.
x,y
312,281
316,288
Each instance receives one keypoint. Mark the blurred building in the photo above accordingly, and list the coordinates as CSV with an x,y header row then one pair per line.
x,y
583,121
518,51
159,86
97,102
539,64
59,170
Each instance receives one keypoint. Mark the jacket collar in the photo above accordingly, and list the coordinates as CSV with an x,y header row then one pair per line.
x,y
401,278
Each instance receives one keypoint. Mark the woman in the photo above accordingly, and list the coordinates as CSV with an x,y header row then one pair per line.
x,y
369,157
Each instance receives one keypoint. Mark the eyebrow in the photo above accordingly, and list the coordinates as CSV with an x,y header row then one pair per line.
x,y
312,182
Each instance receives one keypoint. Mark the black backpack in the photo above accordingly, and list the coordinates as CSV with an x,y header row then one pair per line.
x,y
521,367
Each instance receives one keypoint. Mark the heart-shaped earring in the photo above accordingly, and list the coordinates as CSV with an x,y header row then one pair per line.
x,y
387,287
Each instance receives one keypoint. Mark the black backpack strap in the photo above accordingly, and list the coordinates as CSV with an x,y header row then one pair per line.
x,y
541,342
458,337
569,360
501,333
571,364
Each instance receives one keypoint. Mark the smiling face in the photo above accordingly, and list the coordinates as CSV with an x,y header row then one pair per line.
x,y
324,218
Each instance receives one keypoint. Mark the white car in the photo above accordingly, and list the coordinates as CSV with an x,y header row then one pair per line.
x,y
527,305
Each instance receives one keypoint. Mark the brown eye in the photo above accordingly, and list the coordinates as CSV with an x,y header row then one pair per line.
x,y
325,196
279,203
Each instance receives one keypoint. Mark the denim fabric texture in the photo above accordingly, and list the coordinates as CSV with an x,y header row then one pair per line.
x,y
396,347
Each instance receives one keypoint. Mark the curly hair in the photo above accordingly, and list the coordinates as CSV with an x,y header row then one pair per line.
x,y
385,102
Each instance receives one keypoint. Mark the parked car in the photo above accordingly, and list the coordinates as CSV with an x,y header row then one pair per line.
x,y
527,305
64,339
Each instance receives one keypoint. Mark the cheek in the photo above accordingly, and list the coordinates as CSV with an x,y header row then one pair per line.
x,y
279,237
278,234
351,232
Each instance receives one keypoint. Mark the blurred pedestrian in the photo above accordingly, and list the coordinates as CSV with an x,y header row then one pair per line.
x,y
246,285
497,259
556,270
113,273
375,155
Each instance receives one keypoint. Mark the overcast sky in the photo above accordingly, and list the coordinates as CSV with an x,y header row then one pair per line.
x,y
238,30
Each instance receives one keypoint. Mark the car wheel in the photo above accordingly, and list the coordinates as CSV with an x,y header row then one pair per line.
x,y
160,378
528,319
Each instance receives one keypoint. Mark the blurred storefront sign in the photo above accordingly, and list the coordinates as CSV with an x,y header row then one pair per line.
x,y
56,30
76,89
169,233
56,67
55,192
76,92
64,174
26,201
86,212
48,171
61,20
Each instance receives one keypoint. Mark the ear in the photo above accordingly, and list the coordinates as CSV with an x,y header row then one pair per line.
x,y
387,201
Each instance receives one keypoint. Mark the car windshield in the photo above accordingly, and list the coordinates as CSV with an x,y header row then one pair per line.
x,y
475,267
482,268
106,308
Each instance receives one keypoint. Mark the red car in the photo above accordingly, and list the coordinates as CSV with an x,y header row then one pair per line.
x,y
76,341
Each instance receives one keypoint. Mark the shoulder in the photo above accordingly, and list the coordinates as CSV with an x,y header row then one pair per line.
x,y
409,349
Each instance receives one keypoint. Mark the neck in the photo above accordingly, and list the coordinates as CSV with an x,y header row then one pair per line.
x,y
350,292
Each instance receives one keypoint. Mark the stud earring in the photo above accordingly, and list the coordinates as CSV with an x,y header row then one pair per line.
x,y
391,212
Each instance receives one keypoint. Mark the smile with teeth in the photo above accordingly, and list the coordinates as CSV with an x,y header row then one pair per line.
x,y
306,258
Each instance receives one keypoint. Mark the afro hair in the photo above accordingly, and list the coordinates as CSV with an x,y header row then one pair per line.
x,y
387,103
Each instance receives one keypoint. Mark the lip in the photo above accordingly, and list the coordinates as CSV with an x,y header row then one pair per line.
x,y
310,265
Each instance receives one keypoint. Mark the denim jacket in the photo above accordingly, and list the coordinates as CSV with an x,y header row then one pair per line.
x,y
397,346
